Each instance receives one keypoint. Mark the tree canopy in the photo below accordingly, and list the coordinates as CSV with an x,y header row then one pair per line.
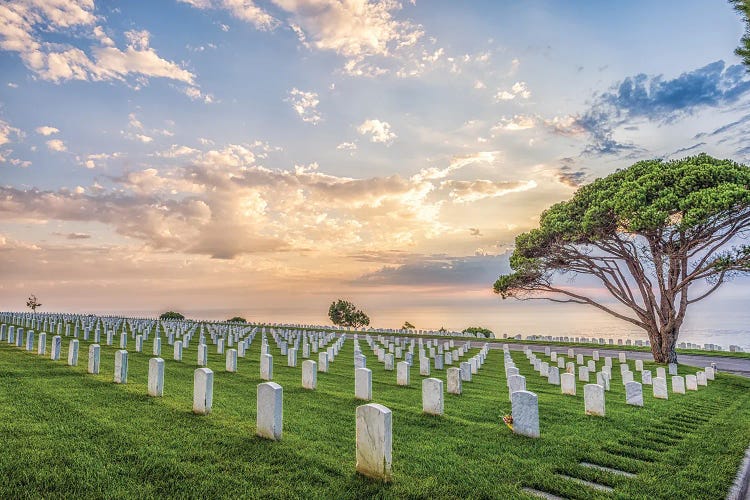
x,y
237,319
344,313
743,7
646,234
32,302
484,332
171,315
407,326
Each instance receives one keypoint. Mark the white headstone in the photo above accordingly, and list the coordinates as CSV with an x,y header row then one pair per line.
x,y
678,384
672,368
202,355
323,362
309,374
660,388
634,394
157,347
516,383
178,350
525,411
73,353
121,367
568,384
266,367
363,384
42,349
54,349
554,376
593,399
661,372
583,374
231,363
691,382
432,396
465,368
156,377
374,441
203,391
270,411
454,380
646,377
402,373
424,366
94,351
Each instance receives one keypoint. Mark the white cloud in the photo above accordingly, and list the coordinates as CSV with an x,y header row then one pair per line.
x,y
470,191
379,131
305,104
56,145
12,85
144,138
6,131
47,130
25,25
244,10
519,89
347,146
518,122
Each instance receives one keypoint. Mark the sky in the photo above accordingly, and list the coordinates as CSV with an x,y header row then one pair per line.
x,y
264,158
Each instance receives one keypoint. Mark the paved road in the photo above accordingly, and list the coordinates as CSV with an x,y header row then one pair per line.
x,y
738,366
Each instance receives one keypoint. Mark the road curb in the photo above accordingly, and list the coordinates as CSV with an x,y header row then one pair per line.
x,y
739,489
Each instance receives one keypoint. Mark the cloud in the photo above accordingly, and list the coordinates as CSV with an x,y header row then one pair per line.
x,y
244,10
7,131
379,131
660,101
305,104
519,89
78,236
30,29
347,146
470,191
47,130
518,122
56,145
441,270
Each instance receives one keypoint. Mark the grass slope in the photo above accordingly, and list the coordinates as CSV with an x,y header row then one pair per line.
x,y
69,434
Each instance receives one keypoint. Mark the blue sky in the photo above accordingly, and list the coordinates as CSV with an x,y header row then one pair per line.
x,y
230,155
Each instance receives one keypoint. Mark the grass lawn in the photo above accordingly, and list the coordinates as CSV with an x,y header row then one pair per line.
x,y
69,434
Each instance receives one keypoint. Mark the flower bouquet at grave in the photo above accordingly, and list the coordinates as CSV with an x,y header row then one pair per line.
x,y
508,420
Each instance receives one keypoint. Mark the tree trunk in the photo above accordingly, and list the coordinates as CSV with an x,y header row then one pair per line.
x,y
663,344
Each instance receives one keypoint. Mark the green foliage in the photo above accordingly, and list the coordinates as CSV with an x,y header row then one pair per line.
x,y
743,7
171,315
344,313
474,330
33,303
646,233
408,326
443,330
237,319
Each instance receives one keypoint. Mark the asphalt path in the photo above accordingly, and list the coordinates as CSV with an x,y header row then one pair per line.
x,y
737,366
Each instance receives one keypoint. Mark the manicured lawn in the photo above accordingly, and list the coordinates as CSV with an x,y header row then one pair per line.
x,y
69,434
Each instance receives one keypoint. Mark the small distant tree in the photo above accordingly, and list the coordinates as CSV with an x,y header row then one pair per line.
x,y
33,303
237,319
408,326
478,330
344,313
171,315
443,330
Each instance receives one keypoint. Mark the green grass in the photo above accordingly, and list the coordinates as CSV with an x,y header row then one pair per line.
x,y
69,434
